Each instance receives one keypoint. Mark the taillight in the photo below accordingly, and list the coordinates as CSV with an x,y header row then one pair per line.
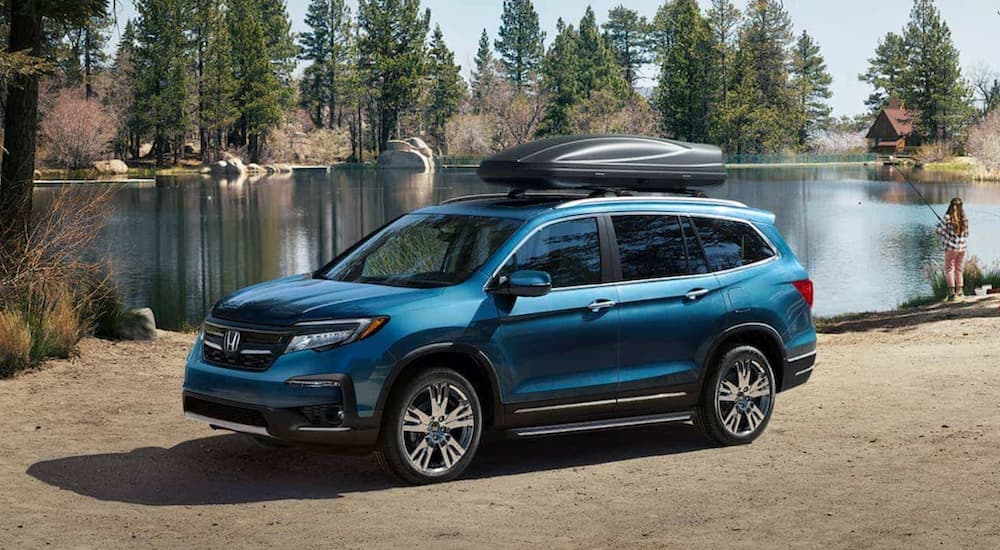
x,y
805,288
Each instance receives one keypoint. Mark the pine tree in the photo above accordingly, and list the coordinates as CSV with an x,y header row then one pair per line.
x,y
121,95
217,108
88,40
392,56
280,45
627,34
447,88
885,71
932,83
484,75
328,47
520,42
596,68
559,82
259,93
681,96
811,84
163,54
723,20
759,116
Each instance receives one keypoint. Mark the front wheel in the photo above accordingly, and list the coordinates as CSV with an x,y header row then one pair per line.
x,y
432,428
737,398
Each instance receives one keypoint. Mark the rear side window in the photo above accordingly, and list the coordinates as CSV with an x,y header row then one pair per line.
x,y
650,247
569,251
729,244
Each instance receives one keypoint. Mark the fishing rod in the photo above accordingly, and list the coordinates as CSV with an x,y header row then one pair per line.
x,y
922,197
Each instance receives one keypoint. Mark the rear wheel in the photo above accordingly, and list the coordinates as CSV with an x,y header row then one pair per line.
x,y
738,397
431,429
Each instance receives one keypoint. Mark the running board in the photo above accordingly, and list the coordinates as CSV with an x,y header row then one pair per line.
x,y
602,424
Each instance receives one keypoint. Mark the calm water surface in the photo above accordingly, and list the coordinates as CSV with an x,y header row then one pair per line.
x,y
182,243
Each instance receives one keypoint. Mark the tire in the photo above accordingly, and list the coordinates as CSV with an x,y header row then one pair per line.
x,y
418,448
734,410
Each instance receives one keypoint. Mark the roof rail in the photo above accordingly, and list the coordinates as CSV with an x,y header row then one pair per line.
x,y
646,198
520,194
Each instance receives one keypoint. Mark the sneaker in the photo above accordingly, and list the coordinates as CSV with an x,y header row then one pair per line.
x,y
959,297
950,298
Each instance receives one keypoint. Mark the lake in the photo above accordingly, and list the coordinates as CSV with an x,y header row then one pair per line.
x,y
180,244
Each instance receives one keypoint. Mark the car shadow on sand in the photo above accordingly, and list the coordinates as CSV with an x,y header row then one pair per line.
x,y
231,469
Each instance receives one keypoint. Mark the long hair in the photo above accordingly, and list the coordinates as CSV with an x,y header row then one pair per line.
x,y
959,223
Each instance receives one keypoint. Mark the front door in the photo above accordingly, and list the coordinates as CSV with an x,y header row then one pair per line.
x,y
563,347
670,307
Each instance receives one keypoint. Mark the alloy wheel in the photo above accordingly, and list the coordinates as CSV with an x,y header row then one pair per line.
x,y
744,396
437,428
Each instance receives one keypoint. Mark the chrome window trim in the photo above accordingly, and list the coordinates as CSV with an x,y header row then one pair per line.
x,y
777,253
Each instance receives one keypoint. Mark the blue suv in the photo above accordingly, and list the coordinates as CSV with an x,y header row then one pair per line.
x,y
529,314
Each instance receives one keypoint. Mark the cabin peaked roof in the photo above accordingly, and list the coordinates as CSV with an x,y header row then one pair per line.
x,y
895,118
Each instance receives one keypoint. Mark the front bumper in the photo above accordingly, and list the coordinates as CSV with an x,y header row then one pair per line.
x,y
300,425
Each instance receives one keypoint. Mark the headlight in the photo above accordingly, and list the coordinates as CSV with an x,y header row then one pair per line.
x,y
338,333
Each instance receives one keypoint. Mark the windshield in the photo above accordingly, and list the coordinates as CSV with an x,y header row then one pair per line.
x,y
425,250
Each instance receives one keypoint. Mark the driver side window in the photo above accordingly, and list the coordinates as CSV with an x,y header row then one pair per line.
x,y
569,251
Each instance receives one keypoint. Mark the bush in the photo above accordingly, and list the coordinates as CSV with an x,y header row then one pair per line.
x,y
75,131
15,343
935,151
984,143
297,141
833,142
52,297
973,275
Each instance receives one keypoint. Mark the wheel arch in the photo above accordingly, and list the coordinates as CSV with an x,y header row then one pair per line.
x,y
465,359
760,335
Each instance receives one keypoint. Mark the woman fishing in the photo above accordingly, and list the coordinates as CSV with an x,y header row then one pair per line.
x,y
954,231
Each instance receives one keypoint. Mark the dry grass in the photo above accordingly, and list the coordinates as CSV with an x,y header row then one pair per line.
x,y
935,151
47,285
15,343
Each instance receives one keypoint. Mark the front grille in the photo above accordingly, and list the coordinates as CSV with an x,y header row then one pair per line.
x,y
257,350
229,413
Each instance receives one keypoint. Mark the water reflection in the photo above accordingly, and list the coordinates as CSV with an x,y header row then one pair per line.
x,y
179,245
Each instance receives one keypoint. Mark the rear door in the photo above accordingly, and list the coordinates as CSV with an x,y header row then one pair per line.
x,y
670,308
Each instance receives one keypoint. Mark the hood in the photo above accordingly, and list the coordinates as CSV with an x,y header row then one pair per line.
x,y
302,298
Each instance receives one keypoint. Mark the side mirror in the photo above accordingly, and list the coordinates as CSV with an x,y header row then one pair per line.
x,y
526,283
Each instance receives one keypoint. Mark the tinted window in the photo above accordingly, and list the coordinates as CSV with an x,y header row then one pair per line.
x,y
650,247
730,244
569,251
696,258
422,250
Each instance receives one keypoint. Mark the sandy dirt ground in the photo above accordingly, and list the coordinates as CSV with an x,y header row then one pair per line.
x,y
894,443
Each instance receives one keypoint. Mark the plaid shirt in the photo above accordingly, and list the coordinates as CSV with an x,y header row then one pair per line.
x,y
949,238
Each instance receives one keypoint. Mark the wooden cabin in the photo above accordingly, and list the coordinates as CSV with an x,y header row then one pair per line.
x,y
893,130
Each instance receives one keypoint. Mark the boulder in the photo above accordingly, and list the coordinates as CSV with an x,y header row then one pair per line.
x,y
137,324
410,154
254,168
229,166
114,166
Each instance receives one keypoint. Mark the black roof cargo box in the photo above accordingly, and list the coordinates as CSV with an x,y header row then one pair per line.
x,y
606,162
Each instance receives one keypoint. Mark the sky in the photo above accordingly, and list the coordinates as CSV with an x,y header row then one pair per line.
x,y
846,30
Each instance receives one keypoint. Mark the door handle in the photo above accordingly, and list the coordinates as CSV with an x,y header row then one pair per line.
x,y
696,293
601,303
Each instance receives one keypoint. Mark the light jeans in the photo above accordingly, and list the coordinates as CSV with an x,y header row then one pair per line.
x,y
953,260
